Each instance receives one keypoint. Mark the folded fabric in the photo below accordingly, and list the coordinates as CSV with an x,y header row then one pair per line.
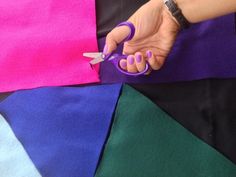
x,y
146,142
62,129
14,161
206,50
42,43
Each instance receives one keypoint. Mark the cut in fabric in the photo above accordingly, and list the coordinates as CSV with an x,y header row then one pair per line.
x,y
14,161
145,141
63,129
42,43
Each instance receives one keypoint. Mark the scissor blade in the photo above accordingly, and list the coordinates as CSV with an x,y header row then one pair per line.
x,y
96,61
93,54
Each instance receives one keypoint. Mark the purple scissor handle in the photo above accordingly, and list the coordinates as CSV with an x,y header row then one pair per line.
x,y
116,57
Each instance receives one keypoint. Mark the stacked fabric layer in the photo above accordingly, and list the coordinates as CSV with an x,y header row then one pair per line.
x,y
176,129
65,132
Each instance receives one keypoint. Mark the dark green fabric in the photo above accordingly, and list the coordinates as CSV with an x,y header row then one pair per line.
x,y
146,142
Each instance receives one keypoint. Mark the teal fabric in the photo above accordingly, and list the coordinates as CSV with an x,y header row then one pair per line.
x,y
146,142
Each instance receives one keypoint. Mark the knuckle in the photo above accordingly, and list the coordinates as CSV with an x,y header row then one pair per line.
x,y
110,36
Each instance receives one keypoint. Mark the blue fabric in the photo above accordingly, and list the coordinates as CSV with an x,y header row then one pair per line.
x,y
63,129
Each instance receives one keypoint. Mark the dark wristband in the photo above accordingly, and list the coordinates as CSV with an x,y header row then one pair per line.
x,y
177,14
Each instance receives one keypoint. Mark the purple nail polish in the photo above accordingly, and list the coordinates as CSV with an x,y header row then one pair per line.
x,y
139,58
130,60
105,50
123,64
149,54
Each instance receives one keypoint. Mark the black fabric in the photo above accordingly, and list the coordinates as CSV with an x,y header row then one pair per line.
x,y
207,108
4,95
111,12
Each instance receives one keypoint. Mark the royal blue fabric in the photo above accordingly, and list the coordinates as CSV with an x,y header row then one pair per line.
x,y
63,129
206,50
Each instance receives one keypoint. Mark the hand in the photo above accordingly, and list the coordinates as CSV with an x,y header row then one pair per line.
x,y
156,31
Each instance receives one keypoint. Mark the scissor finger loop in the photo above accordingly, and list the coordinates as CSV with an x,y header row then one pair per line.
x,y
116,57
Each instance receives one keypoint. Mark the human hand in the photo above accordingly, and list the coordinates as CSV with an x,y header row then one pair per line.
x,y
155,33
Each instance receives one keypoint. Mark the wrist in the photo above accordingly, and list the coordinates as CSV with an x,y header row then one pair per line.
x,y
158,4
200,10
188,8
176,13
161,7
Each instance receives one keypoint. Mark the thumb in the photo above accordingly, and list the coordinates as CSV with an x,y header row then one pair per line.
x,y
115,37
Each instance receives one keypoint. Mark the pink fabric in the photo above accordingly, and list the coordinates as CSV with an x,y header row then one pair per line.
x,y
42,42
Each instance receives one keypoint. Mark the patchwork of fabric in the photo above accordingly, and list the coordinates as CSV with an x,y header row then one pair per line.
x,y
145,141
42,43
80,131
63,129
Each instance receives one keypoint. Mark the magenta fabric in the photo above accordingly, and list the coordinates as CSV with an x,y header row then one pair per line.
x,y
42,43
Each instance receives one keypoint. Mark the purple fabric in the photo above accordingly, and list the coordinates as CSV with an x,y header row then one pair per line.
x,y
206,50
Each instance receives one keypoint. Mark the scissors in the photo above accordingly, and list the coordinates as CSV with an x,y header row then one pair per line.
x,y
116,57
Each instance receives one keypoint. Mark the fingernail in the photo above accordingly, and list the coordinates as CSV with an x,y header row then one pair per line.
x,y
149,54
123,64
130,60
105,50
138,58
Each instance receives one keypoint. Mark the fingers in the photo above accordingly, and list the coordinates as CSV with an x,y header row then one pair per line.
x,y
113,38
154,61
133,63
140,62
137,63
123,64
131,66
